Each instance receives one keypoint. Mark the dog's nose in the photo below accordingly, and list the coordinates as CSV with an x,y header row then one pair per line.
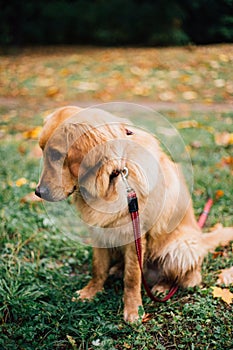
x,y
42,191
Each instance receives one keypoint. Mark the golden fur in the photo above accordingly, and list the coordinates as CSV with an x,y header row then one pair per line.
x,y
81,150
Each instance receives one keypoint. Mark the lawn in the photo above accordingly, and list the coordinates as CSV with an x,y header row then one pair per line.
x,y
40,266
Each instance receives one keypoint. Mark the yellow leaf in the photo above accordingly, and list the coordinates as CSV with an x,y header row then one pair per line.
x,y
52,91
219,83
223,293
189,95
185,124
20,182
33,133
224,138
167,96
72,342
184,78
223,58
64,72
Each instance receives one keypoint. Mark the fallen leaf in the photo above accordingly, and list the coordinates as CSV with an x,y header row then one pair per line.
x,y
87,86
72,342
167,96
52,91
219,83
223,293
32,133
215,255
189,95
224,58
224,139
219,194
185,124
226,162
146,318
226,277
20,182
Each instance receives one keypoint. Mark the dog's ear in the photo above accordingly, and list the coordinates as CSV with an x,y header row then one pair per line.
x,y
81,141
105,183
74,160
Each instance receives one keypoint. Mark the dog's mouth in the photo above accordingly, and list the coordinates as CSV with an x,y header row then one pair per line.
x,y
45,193
72,191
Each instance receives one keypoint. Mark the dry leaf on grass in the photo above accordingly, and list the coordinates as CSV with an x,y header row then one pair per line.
x,y
72,342
146,318
219,194
226,277
21,181
52,91
224,139
185,124
33,133
226,162
223,293
215,255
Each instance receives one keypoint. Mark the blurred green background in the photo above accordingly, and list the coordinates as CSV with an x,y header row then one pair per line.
x,y
116,22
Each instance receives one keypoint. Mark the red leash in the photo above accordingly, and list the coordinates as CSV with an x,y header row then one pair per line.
x,y
133,209
203,217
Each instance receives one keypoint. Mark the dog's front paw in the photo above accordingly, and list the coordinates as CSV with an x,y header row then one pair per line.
x,y
133,314
86,293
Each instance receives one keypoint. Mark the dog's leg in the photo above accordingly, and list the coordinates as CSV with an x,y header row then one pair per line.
x,y
132,284
181,261
100,269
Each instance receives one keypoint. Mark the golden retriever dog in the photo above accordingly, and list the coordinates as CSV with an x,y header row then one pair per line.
x,y
84,150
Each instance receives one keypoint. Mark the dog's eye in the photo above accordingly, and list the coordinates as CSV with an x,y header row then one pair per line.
x,y
55,155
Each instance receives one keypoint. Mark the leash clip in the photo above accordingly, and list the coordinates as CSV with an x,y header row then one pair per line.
x,y
131,196
124,174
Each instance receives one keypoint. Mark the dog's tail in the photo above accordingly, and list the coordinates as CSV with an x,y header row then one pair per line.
x,y
219,237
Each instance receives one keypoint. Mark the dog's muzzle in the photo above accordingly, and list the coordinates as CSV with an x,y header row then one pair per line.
x,y
46,194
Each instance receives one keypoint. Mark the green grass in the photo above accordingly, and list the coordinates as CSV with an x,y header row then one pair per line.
x,y
41,268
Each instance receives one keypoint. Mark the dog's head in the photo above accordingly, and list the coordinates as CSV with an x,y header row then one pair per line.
x,y
81,153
